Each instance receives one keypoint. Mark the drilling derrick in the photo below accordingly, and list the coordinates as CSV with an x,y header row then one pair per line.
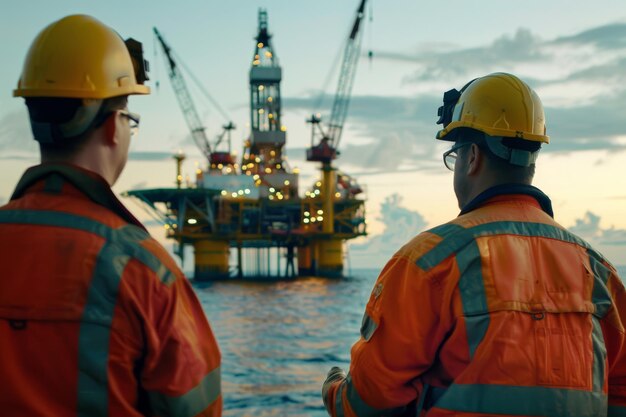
x,y
263,151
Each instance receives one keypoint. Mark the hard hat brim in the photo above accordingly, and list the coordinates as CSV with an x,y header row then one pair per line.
x,y
443,133
137,89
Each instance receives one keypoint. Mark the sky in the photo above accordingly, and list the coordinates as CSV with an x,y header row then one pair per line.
x,y
573,53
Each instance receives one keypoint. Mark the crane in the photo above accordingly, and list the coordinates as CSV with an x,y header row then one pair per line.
x,y
217,159
326,150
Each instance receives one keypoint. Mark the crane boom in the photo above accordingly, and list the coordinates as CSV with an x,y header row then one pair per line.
x,y
346,79
184,99
326,150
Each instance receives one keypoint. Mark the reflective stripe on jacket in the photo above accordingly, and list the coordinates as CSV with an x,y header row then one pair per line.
x,y
499,312
96,319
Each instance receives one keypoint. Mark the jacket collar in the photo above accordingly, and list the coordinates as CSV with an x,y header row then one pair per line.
x,y
510,189
90,184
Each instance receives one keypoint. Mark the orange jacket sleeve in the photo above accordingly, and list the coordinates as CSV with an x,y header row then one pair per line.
x,y
404,323
615,340
180,369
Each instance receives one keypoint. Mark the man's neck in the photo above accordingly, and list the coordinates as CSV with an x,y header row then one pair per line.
x,y
88,162
487,181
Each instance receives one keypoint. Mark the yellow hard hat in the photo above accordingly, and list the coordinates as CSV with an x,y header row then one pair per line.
x,y
80,57
499,105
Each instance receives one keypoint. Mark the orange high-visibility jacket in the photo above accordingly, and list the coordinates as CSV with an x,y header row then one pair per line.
x,y
501,312
96,319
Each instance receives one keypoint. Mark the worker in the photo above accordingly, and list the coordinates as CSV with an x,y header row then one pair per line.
x,y
96,319
501,311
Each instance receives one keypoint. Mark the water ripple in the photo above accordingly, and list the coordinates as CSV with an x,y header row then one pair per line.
x,y
278,339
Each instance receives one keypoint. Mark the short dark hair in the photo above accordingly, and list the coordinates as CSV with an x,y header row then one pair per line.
x,y
57,111
510,172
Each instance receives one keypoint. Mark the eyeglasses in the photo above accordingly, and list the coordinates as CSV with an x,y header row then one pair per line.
x,y
133,121
449,156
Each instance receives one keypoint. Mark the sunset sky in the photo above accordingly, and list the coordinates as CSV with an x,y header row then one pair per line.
x,y
573,53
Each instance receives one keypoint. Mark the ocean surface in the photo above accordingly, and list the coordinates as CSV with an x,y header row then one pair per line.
x,y
278,339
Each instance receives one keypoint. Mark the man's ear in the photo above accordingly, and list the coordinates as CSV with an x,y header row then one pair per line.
x,y
474,159
109,128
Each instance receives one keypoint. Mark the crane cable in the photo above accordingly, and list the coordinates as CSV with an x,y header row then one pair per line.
x,y
370,52
329,77
193,77
157,81
335,66
203,90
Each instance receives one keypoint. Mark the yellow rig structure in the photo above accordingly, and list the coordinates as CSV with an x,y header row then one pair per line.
x,y
254,208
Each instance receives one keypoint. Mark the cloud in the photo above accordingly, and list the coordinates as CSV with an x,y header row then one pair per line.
x,y
401,225
522,52
522,47
608,72
188,141
589,127
593,54
397,133
140,185
581,79
31,157
153,223
149,156
607,37
588,227
609,241
16,139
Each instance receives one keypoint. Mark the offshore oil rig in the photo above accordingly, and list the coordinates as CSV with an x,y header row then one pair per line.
x,y
253,207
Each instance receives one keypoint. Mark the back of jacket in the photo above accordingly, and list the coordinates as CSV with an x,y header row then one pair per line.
x,y
499,312
95,317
